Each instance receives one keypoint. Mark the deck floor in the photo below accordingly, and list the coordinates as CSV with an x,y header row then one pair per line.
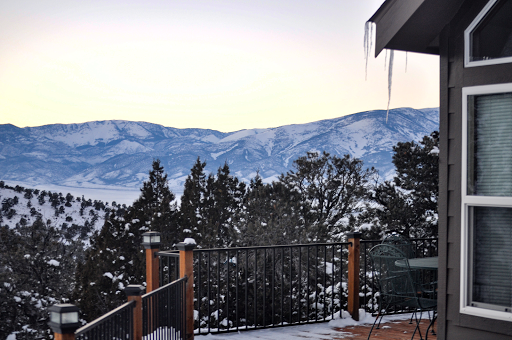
x,y
391,330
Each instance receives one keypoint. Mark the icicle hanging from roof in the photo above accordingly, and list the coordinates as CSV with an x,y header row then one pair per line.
x,y
368,33
390,78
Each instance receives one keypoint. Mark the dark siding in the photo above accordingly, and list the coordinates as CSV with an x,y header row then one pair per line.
x,y
444,184
453,77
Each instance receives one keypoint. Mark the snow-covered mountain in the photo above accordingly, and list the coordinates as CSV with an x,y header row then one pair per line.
x,y
119,153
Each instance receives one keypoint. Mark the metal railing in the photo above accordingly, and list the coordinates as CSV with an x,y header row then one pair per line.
x,y
260,287
169,266
164,311
117,324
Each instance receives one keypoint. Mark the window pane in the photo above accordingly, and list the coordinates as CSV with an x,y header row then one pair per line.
x,y
490,145
491,256
492,38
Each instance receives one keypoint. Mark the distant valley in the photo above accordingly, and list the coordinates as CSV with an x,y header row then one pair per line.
x,y
115,156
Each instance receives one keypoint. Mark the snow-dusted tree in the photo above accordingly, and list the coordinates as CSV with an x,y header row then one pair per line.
x,y
37,268
209,204
408,204
113,260
270,216
332,190
155,209
223,199
191,219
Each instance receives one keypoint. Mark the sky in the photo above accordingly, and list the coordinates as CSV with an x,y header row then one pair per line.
x,y
225,65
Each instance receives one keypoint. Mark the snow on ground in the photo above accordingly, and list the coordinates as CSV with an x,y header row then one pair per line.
x,y
312,331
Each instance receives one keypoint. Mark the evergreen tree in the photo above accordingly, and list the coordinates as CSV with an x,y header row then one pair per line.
x,y
115,257
191,208
37,267
223,199
332,191
270,216
156,209
113,260
408,204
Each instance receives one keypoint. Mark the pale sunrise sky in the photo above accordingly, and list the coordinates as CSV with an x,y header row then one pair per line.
x,y
225,65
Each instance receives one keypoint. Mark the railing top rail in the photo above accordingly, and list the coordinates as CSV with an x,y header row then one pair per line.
x,y
170,253
104,317
163,287
411,239
275,246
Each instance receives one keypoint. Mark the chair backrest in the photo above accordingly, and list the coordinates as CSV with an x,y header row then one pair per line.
x,y
401,242
394,276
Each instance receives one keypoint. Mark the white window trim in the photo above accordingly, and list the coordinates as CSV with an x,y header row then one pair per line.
x,y
470,200
467,41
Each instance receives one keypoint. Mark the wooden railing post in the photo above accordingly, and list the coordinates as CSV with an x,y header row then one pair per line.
x,y
353,274
64,321
187,269
151,241
135,292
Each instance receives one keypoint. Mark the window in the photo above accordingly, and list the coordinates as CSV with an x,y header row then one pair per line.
x,y
486,258
488,40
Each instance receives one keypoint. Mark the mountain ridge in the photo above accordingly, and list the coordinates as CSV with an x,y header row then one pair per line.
x,y
119,153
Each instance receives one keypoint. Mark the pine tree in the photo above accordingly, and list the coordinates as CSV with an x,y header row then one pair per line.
x,y
156,209
115,257
223,199
191,208
408,204
37,270
270,216
113,260
332,191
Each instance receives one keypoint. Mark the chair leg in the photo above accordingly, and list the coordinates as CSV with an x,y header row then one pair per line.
x,y
431,324
417,328
371,330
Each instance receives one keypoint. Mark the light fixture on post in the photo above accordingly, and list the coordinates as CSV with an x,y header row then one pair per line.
x,y
151,242
64,320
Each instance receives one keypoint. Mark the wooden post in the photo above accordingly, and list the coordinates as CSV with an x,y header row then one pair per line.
x,y
134,292
152,269
68,336
353,274
151,242
187,269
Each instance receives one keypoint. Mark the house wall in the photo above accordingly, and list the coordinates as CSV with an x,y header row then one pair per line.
x,y
452,324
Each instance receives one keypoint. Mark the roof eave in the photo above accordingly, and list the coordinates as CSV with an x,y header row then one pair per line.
x,y
412,25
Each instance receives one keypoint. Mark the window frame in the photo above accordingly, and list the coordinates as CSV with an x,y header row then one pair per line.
x,y
467,41
474,200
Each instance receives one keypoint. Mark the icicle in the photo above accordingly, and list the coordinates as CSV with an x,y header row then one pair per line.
x,y
368,33
405,61
390,77
386,60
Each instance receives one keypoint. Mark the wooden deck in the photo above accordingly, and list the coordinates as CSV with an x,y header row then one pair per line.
x,y
392,330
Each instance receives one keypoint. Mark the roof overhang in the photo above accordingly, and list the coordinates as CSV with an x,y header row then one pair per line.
x,y
412,25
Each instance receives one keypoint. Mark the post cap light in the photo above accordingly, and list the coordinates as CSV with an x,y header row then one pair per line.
x,y
151,239
134,290
64,318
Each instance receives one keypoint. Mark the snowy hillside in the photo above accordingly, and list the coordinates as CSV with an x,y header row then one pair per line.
x,y
78,217
105,154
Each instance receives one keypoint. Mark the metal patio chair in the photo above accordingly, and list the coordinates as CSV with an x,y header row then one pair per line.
x,y
397,287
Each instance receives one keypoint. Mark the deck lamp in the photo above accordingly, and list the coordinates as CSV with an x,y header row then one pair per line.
x,y
151,240
64,318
